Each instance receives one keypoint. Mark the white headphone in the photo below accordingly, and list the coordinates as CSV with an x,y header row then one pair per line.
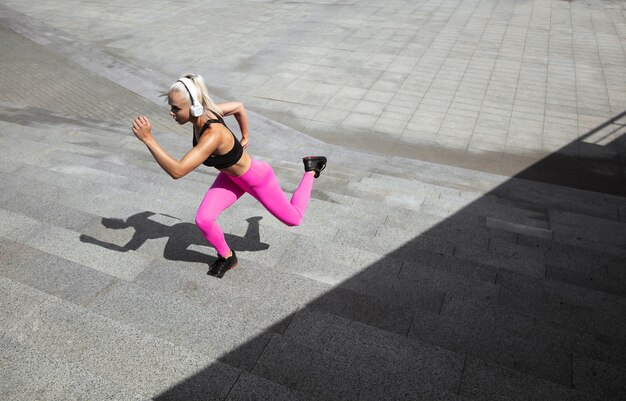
x,y
196,107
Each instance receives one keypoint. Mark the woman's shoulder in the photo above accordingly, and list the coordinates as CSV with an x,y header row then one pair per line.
x,y
214,129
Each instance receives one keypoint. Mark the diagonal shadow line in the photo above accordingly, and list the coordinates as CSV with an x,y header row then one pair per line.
x,y
179,237
474,287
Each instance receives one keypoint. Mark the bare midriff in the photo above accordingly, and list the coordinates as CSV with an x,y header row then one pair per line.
x,y
238,169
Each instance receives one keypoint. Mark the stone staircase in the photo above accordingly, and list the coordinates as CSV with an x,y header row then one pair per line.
x,y
407,280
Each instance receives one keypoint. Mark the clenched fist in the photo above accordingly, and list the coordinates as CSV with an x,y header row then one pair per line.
x,y
142,128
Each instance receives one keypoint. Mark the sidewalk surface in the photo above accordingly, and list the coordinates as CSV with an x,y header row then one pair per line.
x,y
466,242
490,85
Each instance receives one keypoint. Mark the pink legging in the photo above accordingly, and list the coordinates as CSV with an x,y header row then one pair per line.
x,y
260,182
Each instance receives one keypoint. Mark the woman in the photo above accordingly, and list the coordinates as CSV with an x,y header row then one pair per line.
x,y
215,145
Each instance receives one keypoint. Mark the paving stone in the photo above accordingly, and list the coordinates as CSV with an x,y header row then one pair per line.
x,y
173,319
581,242
233,295
592,278
66,244
250,387
574,307
528,230
562,198
334,376
436,368
575,259
556,341
412,250
366,309
323,375
589,228
594,377
51,274
28,374
17,227
521,259
507,339
429,276
326,263
394,292
98,345
443,262
485,381
44,210
93,198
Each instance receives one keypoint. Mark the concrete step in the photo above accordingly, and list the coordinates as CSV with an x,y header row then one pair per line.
x,y
570,306
455,285
564,198
16,198
161,177
331,376
336,356
202,328
435,369
51,274
513,340
439,174
294,165
447,371
580,266
88,149
122,177
534,346
602,235
82,208
153,311
28,374
392,184
504,254
105,194
396,280
66,244
118,176
486,381
105,348
208,295
251,387
384,295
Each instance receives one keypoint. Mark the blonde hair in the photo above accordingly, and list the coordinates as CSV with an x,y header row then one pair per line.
x,y
201,90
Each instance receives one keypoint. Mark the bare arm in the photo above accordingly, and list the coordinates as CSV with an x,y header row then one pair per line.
x,y
237,110
175,168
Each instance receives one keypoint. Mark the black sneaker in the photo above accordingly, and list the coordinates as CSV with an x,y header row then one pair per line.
x,y
314,163
222,265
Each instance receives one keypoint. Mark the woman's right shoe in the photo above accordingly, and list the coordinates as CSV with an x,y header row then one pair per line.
x,y
314,163
222,265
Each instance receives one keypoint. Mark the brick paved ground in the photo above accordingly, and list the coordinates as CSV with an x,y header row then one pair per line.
x,y
492,85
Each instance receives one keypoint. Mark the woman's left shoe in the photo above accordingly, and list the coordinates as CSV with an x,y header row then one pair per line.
x,y
314,163
222,265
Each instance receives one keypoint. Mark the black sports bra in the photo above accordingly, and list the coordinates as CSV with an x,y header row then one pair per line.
x,y
223,161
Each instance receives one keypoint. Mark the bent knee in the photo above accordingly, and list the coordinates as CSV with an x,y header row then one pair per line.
x,y
204,222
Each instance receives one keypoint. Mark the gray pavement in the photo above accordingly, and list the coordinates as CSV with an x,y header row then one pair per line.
x,y
489,85
409,279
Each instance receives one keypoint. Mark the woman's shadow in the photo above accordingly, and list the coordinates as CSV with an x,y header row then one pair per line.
x,y
180,237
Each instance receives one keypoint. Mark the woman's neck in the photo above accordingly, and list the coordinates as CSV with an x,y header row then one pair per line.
x,y
198,122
